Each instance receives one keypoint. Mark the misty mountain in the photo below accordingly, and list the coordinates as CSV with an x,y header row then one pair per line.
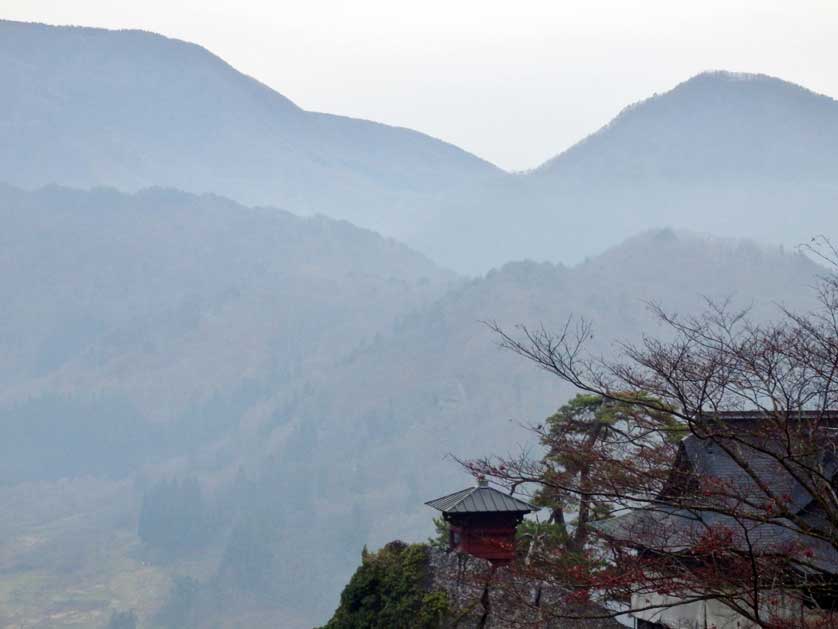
x,y
729,154
87,107
209,406
152,304
439,385
359,447
141,334
303,378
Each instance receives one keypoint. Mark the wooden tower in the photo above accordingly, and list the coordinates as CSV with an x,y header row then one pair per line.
x,y
483,521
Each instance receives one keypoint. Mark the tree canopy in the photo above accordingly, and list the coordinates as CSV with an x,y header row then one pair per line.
x,y
389,589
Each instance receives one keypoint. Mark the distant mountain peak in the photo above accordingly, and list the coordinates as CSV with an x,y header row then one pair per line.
x,y
728,76
725,79
731,153
86,107
736,110
122,46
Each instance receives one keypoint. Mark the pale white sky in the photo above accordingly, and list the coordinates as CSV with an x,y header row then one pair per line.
x,y
514,82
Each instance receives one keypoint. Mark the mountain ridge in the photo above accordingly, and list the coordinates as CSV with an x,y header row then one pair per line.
x,y
719,81
735,155
718,75
170,113
177,260
725,153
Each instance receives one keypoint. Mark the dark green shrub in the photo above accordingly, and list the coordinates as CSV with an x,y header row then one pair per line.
x,y
389,590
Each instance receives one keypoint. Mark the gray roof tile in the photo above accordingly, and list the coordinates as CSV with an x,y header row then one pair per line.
x,y
666,525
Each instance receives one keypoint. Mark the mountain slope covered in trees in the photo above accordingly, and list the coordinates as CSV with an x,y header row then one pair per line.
x,y
358,448
141,335
439,385
292,386
173,307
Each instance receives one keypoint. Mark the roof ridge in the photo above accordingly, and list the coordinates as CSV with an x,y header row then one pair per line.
x,y
509,496
480,499
465,494
468,491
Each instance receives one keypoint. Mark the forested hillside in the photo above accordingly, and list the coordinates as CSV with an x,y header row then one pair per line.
x,y
226,403
177,308
141,333
439,385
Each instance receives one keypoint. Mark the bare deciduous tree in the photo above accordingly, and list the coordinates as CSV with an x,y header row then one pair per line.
x,y
699,467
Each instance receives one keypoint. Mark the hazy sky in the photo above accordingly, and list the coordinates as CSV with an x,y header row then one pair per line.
x,y
515,82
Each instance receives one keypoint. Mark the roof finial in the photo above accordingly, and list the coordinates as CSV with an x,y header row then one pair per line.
x,y
481,481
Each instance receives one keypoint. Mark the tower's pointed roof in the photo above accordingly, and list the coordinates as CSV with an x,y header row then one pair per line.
x,y
480,499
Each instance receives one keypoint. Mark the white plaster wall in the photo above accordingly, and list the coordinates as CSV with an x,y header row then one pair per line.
x,y
696,615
